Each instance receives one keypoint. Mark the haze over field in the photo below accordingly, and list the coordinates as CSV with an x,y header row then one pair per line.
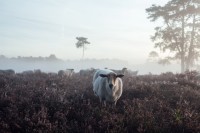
x,y
53,64
116,29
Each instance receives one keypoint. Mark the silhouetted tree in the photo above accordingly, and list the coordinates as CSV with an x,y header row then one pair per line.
x,y
164,61
52,57
2,57
179,33
153,56
82,41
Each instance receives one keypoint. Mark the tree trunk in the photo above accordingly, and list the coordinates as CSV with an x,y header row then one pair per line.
x,y
191,48
83,51
182,64
182,46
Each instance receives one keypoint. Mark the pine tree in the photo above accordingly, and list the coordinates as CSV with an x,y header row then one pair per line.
x,y
179,33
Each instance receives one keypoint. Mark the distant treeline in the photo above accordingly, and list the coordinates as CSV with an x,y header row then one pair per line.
x,y
51,57
54,64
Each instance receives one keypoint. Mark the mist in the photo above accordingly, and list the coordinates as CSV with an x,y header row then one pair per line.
x,y
118,34
111,29
54,64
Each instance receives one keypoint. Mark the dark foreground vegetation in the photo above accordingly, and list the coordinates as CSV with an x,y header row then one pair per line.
x,y
47,103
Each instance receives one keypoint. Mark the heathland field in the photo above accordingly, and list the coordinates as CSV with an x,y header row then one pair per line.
x,y
40,102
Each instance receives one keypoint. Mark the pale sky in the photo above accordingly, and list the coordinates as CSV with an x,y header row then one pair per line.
x,y
116,28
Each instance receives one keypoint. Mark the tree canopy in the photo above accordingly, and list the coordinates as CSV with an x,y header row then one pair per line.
x,y
179,32
82,41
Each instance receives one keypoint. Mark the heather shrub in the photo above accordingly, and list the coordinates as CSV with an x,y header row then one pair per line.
x,y
40,102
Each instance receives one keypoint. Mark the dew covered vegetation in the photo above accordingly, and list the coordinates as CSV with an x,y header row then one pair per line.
x,y
41,102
